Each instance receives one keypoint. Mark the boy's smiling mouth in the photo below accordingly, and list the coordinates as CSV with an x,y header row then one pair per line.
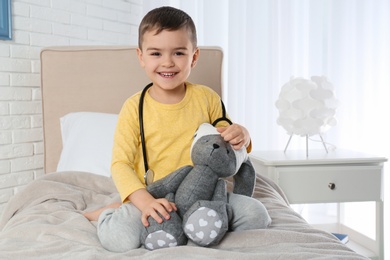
x,y
167,74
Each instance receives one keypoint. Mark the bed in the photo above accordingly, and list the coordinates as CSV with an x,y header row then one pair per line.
x,y
83,88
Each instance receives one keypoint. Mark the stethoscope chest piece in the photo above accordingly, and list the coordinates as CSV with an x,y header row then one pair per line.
x,y
149,177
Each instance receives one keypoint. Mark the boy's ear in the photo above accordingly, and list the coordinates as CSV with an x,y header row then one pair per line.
x,y
140,57
195,57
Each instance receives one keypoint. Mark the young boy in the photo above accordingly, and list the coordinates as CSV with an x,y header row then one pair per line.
x,y
173,110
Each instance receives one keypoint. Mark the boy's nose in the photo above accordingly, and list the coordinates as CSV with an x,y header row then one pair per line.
x,y
168,62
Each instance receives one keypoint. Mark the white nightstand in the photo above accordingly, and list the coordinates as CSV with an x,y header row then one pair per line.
x,y
338,176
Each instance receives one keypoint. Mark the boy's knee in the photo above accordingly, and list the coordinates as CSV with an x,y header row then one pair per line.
x,y
260,217
115,242
249,213
257,219
116,233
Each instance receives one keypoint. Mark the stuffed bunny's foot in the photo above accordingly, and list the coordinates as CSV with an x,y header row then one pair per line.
x,y
167,234
206,225
160,239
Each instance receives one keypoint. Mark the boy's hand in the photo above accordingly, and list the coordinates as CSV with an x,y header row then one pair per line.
x,y
237,135
151,207
155,207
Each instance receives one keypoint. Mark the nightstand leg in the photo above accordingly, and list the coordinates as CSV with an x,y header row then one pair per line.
x,y
379,229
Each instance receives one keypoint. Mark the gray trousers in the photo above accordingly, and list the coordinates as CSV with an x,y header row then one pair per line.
x,y
119,230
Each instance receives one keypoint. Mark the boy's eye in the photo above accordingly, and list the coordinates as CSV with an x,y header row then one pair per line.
x,y
179,53
155,54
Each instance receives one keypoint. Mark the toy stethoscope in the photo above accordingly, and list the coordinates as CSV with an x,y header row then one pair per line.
x,y
149,174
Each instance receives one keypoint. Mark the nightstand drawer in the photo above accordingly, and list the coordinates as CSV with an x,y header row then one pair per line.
x,y
330,183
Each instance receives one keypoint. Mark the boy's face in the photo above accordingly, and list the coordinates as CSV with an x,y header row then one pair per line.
x,y
167,58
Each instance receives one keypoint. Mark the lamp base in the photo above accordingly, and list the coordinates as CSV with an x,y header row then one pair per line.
x,y
307,144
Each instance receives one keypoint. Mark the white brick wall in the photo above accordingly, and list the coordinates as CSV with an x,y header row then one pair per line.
x,y
37,24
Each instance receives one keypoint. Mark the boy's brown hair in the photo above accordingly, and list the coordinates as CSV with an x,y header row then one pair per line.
x,y
166,18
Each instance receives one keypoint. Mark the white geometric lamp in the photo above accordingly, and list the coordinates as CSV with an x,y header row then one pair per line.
x,y
307,107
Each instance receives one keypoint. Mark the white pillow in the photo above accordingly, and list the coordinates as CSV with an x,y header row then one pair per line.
x,y
87,139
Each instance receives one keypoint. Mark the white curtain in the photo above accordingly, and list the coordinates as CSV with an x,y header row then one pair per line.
x,y
346,41
266,42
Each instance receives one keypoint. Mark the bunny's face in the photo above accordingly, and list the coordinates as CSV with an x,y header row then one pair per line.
x,y
212,151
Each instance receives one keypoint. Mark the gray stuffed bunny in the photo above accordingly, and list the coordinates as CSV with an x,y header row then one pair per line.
x,y
199,192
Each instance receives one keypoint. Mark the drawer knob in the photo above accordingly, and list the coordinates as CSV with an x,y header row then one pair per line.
x,y
332,186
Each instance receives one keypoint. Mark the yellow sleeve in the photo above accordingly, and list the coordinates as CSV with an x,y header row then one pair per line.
x,y
249,148
126,143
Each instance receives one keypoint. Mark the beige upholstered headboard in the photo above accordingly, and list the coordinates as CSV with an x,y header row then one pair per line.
x,y
100,79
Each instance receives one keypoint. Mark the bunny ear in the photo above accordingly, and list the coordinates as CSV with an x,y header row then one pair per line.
x,y
241,157
245,179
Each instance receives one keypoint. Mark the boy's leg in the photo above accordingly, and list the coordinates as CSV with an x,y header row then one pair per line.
x,y
94,215
248,213
119,229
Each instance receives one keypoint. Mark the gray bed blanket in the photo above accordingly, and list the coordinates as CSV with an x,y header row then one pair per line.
x,y
45,221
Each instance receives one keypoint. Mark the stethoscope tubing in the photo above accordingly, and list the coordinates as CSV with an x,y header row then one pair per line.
x,y
141,125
